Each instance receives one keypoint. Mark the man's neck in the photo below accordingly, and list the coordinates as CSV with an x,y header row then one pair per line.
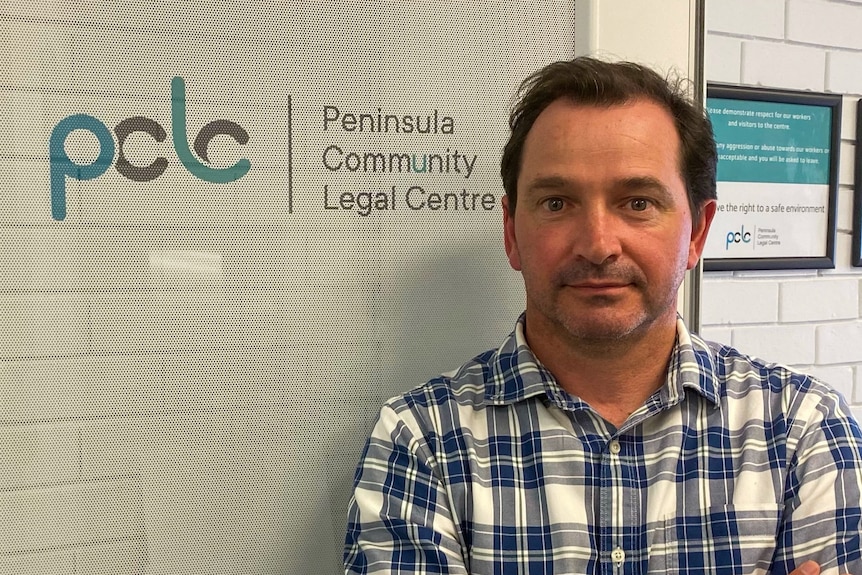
x,y
615,377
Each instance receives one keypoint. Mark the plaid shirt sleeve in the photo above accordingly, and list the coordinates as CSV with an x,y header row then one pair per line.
x,y
823,489
399,517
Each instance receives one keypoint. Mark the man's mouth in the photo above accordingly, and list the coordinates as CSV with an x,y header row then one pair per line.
x,y
600,284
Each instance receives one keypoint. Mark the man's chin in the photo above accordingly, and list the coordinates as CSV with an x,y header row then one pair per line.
x,y
606,328
607,334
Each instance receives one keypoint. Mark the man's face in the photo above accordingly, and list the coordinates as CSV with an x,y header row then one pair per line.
x,y
602,232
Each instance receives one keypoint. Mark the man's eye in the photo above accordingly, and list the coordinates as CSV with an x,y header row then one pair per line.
x,y
639,204
554,204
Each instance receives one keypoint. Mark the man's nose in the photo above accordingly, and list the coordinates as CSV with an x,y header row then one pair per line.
x,y
597,237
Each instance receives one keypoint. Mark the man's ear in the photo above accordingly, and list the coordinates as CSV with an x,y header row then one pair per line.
x,y
699,231
509,236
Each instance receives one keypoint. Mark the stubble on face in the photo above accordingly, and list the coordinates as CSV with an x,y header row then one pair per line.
x,y
599,319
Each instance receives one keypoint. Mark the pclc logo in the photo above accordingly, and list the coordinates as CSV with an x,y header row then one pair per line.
x,y
741,236
62,167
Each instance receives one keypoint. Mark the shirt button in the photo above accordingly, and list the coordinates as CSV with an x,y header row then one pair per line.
x,y
618,555
615,447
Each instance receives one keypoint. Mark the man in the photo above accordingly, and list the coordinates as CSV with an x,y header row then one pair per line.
x,y
603,437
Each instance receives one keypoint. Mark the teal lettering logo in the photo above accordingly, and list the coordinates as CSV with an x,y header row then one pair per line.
x,y
62,167
741,236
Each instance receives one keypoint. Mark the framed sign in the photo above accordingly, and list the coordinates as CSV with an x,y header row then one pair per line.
x,y
777,178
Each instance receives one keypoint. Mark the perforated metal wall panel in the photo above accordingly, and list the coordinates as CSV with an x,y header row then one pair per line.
x,y
228,232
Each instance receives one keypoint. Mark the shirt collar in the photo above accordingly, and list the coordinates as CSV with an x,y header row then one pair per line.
x,y
692,366
516,374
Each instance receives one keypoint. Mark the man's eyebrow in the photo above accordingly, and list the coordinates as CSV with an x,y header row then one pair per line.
x,y
629,183
644,183
549,182
641,182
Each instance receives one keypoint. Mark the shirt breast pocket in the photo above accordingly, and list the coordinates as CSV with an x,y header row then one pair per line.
x,y
731,539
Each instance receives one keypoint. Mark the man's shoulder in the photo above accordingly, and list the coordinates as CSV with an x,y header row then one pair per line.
x,y
730,362
737,372
467,385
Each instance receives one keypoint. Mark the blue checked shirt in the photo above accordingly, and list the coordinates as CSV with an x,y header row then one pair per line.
x,y
734,466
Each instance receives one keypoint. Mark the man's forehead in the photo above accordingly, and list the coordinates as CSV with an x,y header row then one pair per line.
x,y
556,143
590,126
628,104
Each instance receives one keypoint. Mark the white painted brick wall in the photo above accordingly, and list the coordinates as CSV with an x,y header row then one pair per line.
x,y
841,378
843,248
808,319
839,343
842,72
857,388
740,302
848,118
845,217
723,58
818,300
718,334
823,23
845,170
787,344
783,65
761,18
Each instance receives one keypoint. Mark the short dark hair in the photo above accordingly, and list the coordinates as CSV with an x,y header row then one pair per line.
x,y
594,82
